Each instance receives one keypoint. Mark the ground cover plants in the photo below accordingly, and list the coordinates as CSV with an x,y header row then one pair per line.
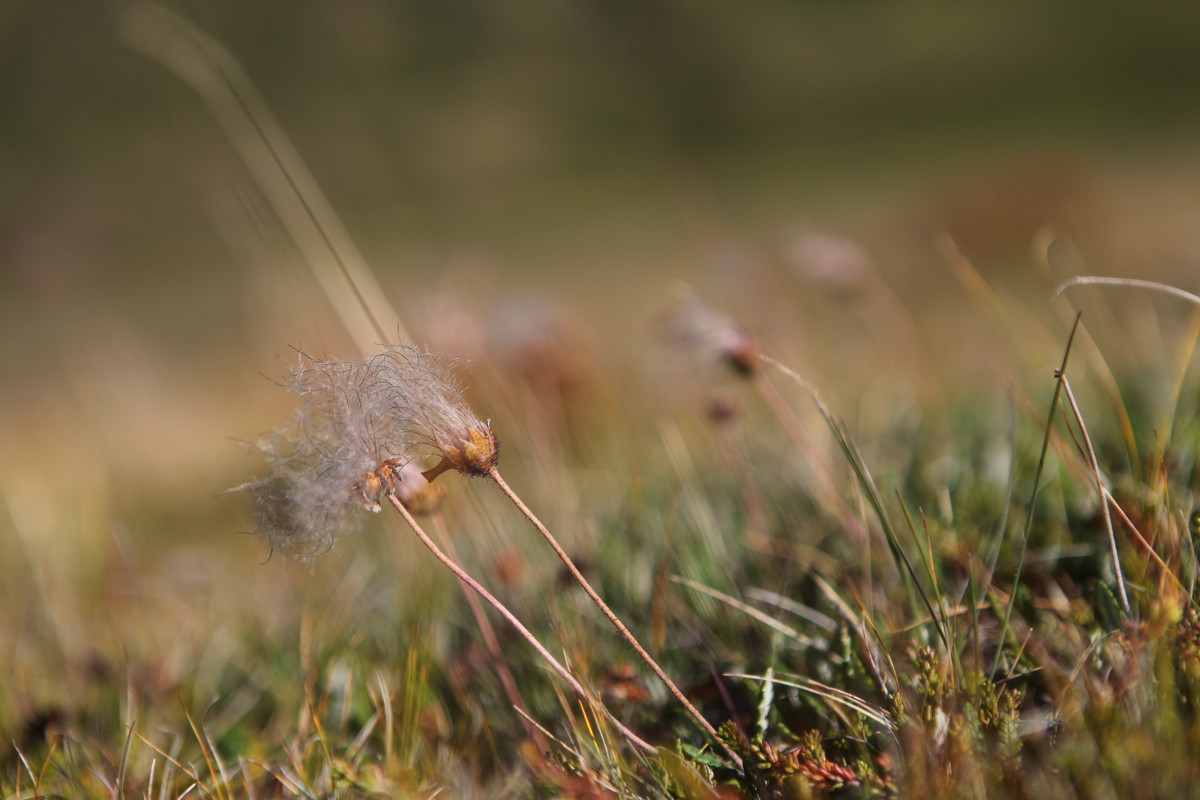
x,y
1014,615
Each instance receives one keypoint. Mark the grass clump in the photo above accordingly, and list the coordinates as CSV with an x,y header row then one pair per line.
x,y
985,600
897,630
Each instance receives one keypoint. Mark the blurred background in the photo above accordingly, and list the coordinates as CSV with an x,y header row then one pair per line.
x,y
558,166
586,151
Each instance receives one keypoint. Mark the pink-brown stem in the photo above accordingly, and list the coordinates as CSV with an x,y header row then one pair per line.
x,y
494,474
490,642
462,575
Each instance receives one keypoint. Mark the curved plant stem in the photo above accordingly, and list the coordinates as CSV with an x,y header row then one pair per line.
x,y
462,575
1087,280
494,474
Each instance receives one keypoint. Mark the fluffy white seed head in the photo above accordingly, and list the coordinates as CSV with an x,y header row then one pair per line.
x,y
431,407
351,442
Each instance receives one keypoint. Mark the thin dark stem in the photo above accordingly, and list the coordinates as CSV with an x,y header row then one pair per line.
x,y
1094,466
462,575
1059,375
494,474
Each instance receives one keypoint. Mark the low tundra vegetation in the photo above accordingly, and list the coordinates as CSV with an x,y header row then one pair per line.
x,y
721,583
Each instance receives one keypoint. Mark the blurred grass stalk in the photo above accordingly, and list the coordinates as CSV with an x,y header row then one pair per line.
x,y
335,261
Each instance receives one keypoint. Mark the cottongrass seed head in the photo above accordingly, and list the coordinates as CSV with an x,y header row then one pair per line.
x,y
433,412
352,439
